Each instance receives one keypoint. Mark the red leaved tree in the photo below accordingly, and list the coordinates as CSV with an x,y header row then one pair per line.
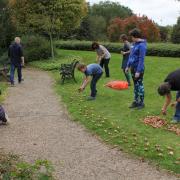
x,y
118,26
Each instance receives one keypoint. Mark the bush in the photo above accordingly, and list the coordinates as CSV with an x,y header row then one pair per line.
x,y
153,49
4,58
36,48
11,167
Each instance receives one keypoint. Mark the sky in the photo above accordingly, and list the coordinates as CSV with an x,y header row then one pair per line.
x,y
163,12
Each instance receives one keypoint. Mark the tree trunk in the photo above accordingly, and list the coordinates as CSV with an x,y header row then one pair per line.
x,y
52,47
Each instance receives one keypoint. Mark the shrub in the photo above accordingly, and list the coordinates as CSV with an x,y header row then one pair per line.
x,y
153,49
4,58
11,167
36,48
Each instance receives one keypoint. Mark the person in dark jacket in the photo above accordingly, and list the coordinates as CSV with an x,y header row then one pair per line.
x,y
15,54
171,83
125,52
136,64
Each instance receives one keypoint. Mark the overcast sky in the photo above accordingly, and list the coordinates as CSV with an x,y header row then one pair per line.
x,y
163,12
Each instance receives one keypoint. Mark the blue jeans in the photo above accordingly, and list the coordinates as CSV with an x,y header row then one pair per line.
x,y
94,80
12,71
177,112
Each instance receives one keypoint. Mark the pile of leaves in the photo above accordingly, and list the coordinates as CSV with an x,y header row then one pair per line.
x,y
174,128
157,122
154,121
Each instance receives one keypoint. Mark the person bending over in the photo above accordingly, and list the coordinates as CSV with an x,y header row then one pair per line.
x,y
171,83
103,56
92,70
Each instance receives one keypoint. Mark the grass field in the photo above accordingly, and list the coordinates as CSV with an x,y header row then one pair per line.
x,y
109,116
3,87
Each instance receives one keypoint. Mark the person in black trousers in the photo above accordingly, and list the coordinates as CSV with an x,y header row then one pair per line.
x,y
171,83
103,56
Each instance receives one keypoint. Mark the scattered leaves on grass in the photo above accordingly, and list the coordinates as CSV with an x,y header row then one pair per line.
x,y
174,128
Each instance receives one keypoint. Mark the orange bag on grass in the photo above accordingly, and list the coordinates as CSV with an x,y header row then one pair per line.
x,y
118,85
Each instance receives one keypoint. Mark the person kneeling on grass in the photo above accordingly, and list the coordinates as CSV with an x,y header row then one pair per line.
x,y
93,70
171,83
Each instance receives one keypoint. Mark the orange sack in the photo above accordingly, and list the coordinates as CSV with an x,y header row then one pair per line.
x,y
118,85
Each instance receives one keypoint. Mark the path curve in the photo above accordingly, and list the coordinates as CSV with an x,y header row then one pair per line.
x,y
41,128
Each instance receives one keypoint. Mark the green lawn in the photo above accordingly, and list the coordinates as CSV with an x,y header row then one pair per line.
x,y
109,116
3,87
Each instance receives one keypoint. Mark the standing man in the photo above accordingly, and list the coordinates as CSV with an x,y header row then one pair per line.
x,y
171,83
103,56
15,54
136,64
93,70
125,52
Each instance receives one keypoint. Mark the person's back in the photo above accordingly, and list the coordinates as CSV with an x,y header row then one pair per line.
x,y
93,69
15,53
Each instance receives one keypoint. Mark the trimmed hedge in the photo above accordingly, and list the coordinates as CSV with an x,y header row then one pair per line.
x,y
154,49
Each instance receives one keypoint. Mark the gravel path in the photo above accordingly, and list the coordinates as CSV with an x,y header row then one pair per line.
x,y
40,128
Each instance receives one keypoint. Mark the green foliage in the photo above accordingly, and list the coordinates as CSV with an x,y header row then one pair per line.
x,y
94,25
36,48
12,168
97,28
115,123
51,16
110,10
154,49
6,28
164,33
176,33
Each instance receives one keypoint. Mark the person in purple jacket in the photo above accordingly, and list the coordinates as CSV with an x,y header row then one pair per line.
x,y
136,65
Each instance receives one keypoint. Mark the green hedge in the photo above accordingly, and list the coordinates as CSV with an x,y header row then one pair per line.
x,y
154,49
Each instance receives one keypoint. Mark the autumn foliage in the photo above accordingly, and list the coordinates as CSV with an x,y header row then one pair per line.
x,y
119,26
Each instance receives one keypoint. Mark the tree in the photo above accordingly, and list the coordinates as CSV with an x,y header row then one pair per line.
x,y
175,37
118,26
6,28
164,33
110,10
48,16
94,25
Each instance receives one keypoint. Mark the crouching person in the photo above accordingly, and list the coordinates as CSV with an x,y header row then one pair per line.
x,y
171,83
3,116
92,70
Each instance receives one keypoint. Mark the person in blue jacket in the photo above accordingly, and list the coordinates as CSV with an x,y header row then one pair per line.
x,y
136,65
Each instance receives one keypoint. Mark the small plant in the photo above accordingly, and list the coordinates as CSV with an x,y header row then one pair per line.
x,y
12,168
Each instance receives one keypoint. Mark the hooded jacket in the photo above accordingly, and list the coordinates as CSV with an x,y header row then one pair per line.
x,y
137,55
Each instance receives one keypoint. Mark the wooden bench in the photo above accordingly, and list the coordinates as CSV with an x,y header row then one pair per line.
x,y
4,72
67,71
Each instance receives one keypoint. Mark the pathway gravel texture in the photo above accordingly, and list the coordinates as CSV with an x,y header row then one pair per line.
x,y
40,128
